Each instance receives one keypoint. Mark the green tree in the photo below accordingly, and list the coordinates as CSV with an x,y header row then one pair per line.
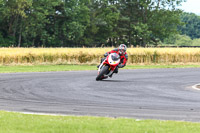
x,y
191,25
54,23
70,22
13,14
147,20
39,24
103,22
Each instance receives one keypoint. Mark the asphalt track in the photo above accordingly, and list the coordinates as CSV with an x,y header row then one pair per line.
x,y
164,94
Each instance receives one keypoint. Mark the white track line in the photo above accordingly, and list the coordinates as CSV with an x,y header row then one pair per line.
x,y
195,87
32,113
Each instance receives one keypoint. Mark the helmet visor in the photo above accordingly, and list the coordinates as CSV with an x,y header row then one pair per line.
x,y
122,51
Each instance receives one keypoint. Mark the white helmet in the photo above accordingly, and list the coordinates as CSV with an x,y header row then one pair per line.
x,y
122,48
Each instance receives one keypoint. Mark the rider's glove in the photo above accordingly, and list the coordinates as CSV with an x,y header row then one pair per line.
x,y
120,65
106,54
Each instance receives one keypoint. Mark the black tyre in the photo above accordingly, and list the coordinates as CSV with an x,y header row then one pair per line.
x,y
103,71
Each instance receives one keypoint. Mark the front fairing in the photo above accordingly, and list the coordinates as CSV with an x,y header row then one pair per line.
x,y
114,59
112,63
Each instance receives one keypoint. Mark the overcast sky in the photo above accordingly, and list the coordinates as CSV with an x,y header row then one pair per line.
x,y
191,6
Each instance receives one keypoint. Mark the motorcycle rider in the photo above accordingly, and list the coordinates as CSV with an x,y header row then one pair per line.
x,y
121,50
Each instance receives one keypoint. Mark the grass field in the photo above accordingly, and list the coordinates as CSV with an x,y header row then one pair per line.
x,y
26,123
17,56
48,68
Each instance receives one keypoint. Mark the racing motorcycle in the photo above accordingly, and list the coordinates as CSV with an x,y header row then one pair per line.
x,y
107,67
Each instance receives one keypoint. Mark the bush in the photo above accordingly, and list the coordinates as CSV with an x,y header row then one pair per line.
x,y
196,42
183,40
6,42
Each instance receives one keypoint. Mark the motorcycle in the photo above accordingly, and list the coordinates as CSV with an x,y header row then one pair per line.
x,y
107,67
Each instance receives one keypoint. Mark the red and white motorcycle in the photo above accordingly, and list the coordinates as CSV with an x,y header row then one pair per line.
x,y
108,66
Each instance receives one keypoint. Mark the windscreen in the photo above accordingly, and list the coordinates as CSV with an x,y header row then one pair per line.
x,y
115,57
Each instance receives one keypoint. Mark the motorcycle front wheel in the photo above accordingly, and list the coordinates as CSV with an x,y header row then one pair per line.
x,y
103,71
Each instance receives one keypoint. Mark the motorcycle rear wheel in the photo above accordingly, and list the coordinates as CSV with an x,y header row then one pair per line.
x,y
103,71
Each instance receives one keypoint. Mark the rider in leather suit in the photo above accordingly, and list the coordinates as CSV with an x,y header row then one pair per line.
x,y
123,56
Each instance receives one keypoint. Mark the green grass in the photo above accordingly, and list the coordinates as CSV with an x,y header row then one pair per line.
x,y
46,68
25,123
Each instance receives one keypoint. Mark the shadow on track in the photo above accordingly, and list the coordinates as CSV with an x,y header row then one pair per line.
x,y
114,81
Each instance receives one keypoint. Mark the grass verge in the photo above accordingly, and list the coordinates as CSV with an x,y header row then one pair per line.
x,y
47,68
25,123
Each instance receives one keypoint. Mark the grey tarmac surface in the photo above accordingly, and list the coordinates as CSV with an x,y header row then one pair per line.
x,y
164,94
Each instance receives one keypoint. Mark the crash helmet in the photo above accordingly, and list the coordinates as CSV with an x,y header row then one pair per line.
x,y
122,48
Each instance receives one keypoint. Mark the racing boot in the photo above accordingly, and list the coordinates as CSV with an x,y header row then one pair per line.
x,y
104,77
116,70
111,75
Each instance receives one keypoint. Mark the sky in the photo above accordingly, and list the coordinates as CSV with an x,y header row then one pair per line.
x,y
191,6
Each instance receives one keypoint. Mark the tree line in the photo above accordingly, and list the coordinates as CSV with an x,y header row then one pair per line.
x,y
188,32
75,23
191,25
